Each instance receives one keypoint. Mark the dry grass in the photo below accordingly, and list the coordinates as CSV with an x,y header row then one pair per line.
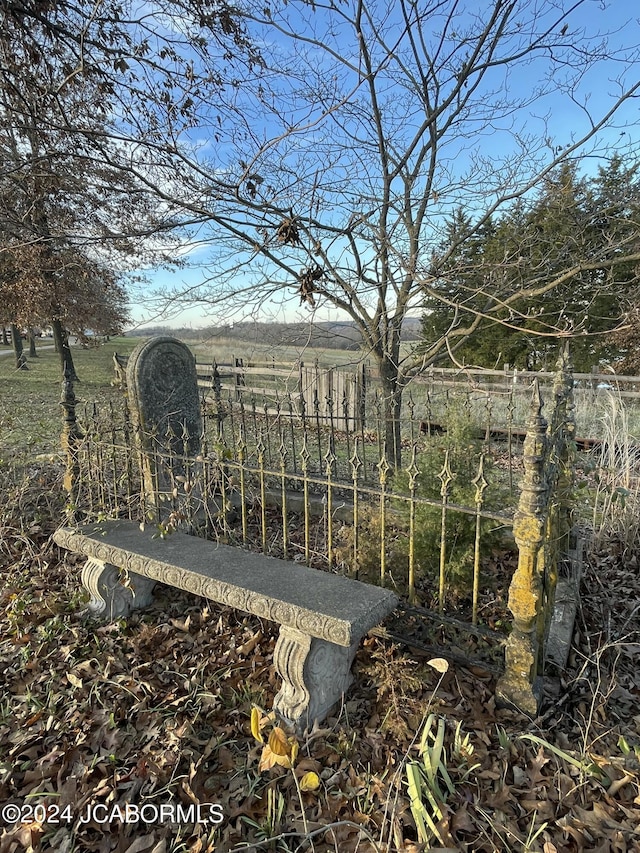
x,y
616,502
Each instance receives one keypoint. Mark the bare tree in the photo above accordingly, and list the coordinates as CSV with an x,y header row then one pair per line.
x,y
58,268
80,87
367,126
325,169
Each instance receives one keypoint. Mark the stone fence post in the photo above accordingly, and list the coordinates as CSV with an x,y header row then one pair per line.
x,y
520,686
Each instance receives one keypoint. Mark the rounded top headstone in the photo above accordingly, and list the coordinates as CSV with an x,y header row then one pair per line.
x,y
162,383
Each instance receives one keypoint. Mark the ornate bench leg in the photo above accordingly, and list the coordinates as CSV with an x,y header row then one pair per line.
x,y
315,675
110,599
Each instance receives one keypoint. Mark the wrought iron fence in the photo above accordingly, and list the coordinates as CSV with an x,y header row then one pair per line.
x,y
294,484
301,489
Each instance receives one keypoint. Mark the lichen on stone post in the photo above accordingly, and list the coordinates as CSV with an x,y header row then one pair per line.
x,y
518,686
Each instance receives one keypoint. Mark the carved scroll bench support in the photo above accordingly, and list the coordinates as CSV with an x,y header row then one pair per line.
x,y
110,597
322,616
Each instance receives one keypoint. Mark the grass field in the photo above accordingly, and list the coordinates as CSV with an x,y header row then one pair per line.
x,y
224,349
30,414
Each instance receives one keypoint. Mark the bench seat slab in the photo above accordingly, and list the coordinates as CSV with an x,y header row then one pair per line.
x,y
322,616
323,605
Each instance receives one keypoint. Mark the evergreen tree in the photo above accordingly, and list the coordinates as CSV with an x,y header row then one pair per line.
x,y
554,236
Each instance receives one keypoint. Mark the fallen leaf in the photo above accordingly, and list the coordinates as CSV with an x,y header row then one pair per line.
x,y
280,749
255,725
249,646
310,781
278,742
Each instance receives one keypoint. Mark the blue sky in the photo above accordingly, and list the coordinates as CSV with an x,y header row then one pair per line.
x,y
551,115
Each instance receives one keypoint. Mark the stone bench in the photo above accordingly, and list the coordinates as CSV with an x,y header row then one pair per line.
x,y
322,616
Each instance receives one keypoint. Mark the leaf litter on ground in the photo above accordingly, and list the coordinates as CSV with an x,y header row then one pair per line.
x,y
159,708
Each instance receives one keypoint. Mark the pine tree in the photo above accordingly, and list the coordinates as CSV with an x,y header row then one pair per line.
x,y
556,235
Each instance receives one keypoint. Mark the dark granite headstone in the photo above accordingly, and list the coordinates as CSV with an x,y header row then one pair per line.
x,y
164,401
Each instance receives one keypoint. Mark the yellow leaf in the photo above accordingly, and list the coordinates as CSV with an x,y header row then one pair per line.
x,y
267,759
278,742
310,781
255,725
294,750
439,664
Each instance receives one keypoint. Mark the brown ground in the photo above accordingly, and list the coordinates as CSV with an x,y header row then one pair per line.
x,y
157,709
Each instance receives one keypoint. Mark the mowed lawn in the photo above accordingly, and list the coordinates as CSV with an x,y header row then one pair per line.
x,y
30,411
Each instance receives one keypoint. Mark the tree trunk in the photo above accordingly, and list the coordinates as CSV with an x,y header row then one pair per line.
x,y
62,348
391,407
32,345
5,337
21,361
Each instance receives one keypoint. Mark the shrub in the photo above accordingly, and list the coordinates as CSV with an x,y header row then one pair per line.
x,y
461,446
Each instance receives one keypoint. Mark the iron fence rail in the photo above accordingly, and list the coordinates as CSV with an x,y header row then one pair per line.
x,y
303,490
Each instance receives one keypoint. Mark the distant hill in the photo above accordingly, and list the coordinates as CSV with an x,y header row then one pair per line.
x,y
329,335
